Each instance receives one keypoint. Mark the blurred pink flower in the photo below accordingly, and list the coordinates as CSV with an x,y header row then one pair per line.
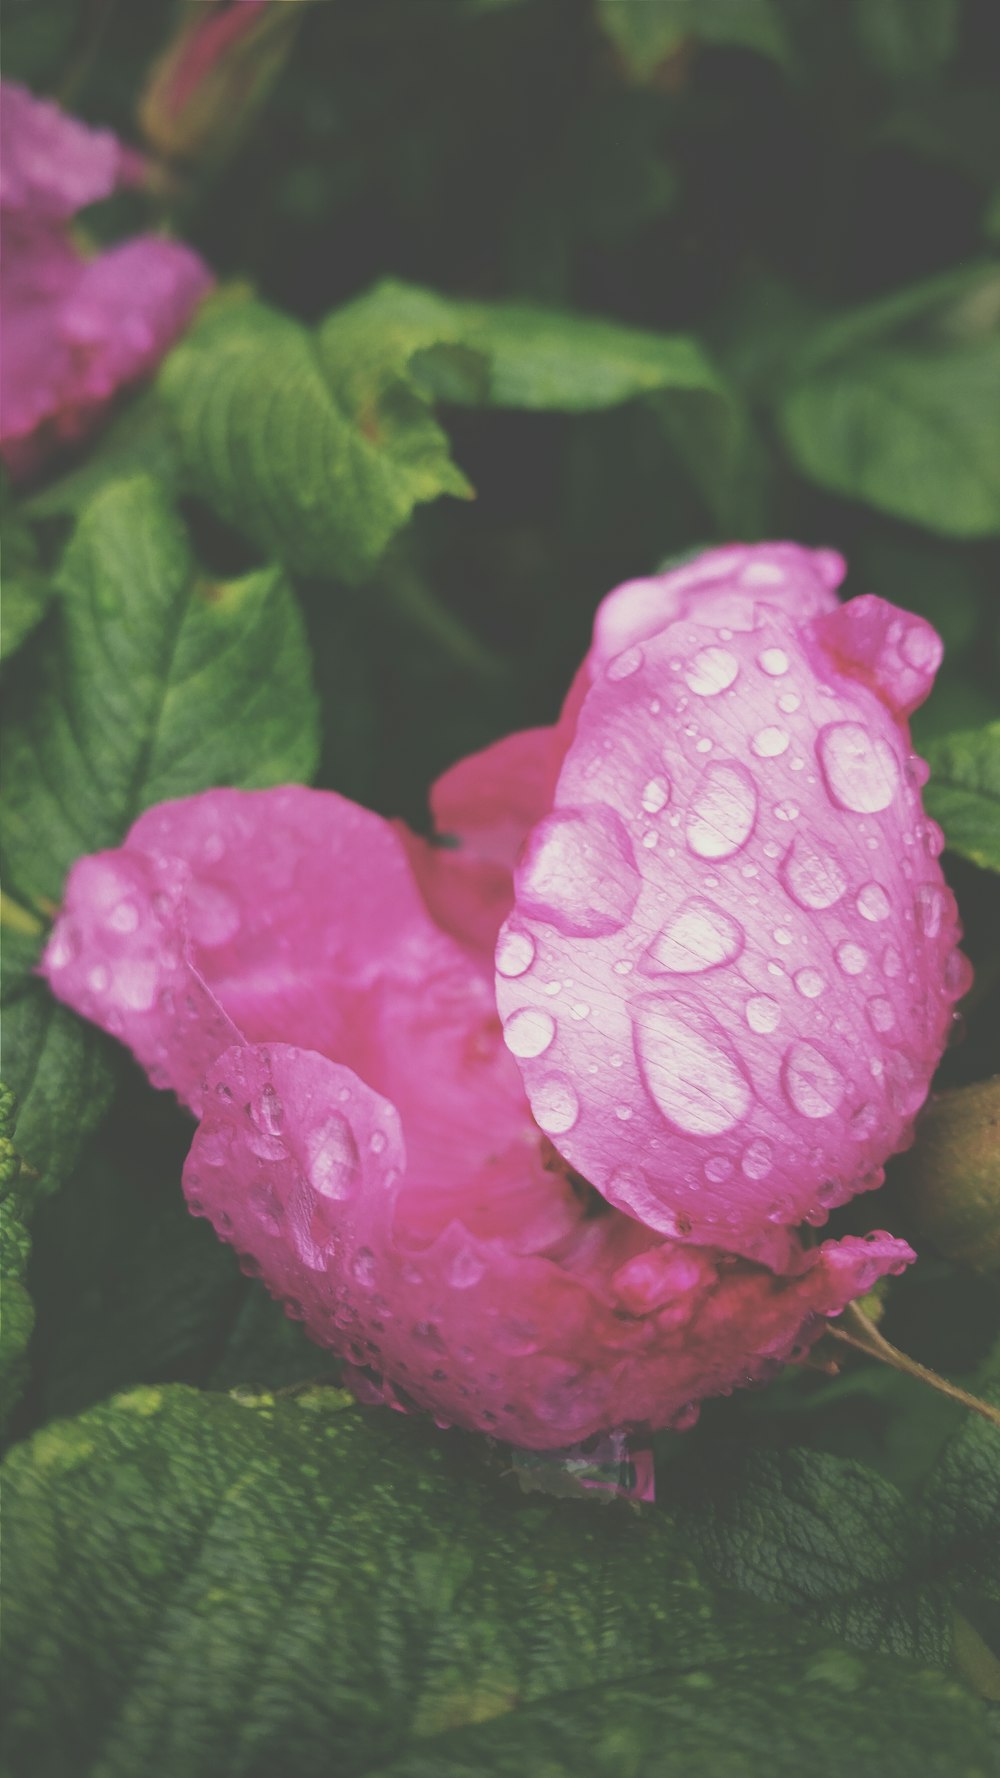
x,y
75,329
317,984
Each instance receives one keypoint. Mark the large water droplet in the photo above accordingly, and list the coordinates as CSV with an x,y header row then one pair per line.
x,y
696,1083
698,936
861,772
555,1105
711,671
762,1014
773,661
769,743
332,1159
851,958
873,903
529,1032
812,875
124,917
722,813
515,952
656,795
810,983
814,1085
579,873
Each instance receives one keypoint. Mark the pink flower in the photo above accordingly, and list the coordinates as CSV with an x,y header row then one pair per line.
x,y
75,330
317,984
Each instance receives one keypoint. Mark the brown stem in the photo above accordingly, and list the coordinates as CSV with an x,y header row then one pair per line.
x,y
866,1338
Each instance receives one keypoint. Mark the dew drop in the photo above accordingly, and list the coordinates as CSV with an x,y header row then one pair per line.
x,y
213,914
773,661
873,902
515,952
124,917
892,962
363,1267
555,1105
768,743
810,983
851,958
812,876
137,980
880,1013
625,664
711,671
267,1111
579,872
756,1162
861,773
717,1168
99,979
762,1014
696,1083
789,702
722,813
656,795
331,1156
813,1085
465,1270
698,936
529,1032
930,909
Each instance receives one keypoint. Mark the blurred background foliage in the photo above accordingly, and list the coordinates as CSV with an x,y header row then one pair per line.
x,y
796,203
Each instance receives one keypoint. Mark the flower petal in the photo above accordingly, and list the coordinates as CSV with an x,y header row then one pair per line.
x,y
302,1168
734,868
51,164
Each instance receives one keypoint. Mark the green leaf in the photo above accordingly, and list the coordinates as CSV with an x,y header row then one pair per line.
x,y
821,1534
907,39
319,445
26,589
139,441
289,443
647,31
960,1505
231,1588
963,793
160,684
60,1072
17,1314
898,404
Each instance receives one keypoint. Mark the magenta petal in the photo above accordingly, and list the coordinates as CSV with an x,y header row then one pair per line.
x,y
710,928
300,1166
51,164
129,305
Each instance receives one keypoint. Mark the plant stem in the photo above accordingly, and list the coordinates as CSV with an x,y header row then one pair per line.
x,y
864,1336
418,605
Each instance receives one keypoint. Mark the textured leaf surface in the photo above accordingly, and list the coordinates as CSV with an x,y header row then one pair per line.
x,y
60,1073
899,405
17,1316
319,445
161,683
645,31
964,792
26,589
250,1587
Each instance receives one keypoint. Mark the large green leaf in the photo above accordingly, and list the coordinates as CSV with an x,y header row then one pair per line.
x,y
161,683
645,31
236,1588
16,1312
26,589
964,792
898,404
320,444
60,1073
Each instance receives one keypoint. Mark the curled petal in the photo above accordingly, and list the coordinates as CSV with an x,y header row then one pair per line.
x,y
734,870
304,1170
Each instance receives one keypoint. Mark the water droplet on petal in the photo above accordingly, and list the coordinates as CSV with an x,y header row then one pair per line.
x,y
711,671
579,872
213,914
137,981
762,1013
810,983
99,979
861,772
515,952
363,1267
555,1105
529,1032
812,875
698,936
331,1157
625,664
756,1162
722,813
656,795
768,743
789,702
881,1014
958,975
814,1085
873,902
465,1270
930,908
696,1082
851,958
124,917
773,661
267,1111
